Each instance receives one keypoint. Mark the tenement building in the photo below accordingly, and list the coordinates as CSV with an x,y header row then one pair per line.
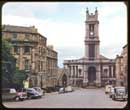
x,y
122,67
32,54
93,69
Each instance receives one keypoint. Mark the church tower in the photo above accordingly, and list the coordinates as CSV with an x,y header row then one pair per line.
x,y
92,35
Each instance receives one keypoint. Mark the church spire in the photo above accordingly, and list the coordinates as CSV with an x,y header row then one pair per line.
x,y
87,10
96,10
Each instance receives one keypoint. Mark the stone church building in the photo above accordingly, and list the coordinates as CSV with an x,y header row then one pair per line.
x,y
93,69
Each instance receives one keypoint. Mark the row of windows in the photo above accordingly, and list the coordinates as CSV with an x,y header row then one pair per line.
x,y
28,36
26,49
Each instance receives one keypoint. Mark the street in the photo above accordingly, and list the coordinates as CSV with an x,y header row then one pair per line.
x,y
80,98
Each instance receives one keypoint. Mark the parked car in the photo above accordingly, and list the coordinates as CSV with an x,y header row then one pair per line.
x,y
32,93
21,95
111,92
8,94
41,92
66,89
120,93
61,90
69,89
108,88
50,89
58,87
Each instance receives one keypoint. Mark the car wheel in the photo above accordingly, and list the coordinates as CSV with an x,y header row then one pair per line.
x,y
21,99
17,98
113,97
29,97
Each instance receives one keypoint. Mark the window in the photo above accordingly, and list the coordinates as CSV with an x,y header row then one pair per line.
x,y
26,49
26,39
26,64
105,72
14,37
16,49
91,27
110,75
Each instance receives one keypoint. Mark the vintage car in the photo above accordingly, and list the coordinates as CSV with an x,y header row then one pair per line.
x,y
69,89
41,92
21,95
108,88
66,89
111,92
120,93
8,94
61,90
32,93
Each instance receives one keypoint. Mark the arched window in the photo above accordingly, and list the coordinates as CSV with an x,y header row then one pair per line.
x,y
105,72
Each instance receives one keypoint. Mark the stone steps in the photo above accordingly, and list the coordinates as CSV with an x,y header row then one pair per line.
x,y
91,87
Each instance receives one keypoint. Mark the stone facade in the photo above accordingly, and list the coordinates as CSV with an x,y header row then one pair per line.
x,y
122,67
93,69
32,54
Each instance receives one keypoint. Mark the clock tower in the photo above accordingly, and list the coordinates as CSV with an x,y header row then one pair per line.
x,y
92,35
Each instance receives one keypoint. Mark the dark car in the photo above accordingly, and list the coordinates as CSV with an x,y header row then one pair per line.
x,y
8,93
57,88
32,93
50,89
120,93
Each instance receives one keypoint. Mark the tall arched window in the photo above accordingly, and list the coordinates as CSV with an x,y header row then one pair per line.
x,y
105,72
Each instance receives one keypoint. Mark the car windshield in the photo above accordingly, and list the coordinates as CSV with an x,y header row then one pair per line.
x,y
31,89
121,90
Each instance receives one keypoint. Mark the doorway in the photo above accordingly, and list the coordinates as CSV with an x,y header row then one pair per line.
x,y
91,74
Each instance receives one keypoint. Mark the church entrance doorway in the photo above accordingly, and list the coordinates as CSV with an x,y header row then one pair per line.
x,y
91,74
64,80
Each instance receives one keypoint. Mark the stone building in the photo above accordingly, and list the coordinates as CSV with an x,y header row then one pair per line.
x,y
51,66
122,67
93,69
32,53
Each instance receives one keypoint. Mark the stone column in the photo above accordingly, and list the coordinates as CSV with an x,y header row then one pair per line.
x,y
86,51
20,58
85,79
98,76
87,31
71,71
112,71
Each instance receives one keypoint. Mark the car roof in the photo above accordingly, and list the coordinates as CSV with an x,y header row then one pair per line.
x,y
120,87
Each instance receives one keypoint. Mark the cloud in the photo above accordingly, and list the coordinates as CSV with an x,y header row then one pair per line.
x,y
29,9
58,33
68,37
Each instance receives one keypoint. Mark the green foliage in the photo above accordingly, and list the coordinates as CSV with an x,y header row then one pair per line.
x,y
19,76
6,47
8,64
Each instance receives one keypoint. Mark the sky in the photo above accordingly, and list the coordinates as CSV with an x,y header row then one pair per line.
x,y
63,24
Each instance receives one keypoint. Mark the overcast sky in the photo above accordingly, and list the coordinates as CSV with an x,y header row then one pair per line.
x,y
63,24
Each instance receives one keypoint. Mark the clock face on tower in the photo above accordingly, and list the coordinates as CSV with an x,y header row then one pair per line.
x,y
91,33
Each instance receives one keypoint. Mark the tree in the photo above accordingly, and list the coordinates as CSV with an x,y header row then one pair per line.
x,y
19,77
11,76
8,64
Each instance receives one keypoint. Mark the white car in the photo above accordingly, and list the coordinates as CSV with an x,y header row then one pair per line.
x,y
108,88
69,89
61,90
39,90
112,91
